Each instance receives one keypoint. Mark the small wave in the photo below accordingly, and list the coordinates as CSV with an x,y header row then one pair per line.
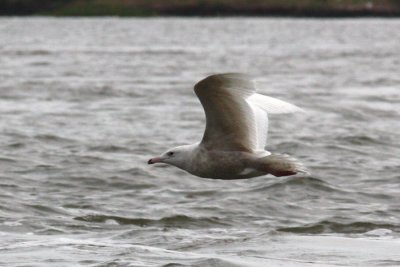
x,y
160,50
51,138
206,262
16,145
89,159
5,159
324,227
379,232
80,180
110,149
27,52
136,172
288,146
176,221
40,63
44,209
304,181
349,148
4,185
360,140
385,263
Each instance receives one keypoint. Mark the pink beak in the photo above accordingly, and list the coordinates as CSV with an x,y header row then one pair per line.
x,y
154,160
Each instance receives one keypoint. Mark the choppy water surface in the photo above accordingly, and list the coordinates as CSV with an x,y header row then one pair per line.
x,y
85,102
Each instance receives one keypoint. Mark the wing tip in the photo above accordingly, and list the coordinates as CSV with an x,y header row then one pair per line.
x,y
231,75
224,78
273,105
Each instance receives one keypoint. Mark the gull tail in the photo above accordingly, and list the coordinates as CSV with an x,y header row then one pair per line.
x,y
280,165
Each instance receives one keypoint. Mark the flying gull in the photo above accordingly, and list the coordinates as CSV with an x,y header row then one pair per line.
x,y
233,144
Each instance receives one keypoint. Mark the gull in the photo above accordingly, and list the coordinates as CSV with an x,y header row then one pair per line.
x,y
233,144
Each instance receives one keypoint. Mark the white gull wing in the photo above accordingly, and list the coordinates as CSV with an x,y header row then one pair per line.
x,y
262,106
272,105
236,117
261,121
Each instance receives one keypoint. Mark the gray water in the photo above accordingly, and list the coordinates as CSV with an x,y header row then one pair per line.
x,y
84,103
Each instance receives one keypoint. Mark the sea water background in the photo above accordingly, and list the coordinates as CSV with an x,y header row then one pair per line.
x,y
85,102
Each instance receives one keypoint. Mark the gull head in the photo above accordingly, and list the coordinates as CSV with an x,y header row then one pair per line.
x,y
179,156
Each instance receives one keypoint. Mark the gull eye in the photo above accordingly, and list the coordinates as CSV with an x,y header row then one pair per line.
x,y
170,153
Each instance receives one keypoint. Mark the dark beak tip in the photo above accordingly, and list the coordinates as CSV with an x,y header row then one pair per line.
x,y
150,161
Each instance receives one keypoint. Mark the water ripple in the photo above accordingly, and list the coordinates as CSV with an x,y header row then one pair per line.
x,y
176,221
324,227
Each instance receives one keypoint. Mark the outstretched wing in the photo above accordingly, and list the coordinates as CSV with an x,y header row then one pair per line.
x,y
236,117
